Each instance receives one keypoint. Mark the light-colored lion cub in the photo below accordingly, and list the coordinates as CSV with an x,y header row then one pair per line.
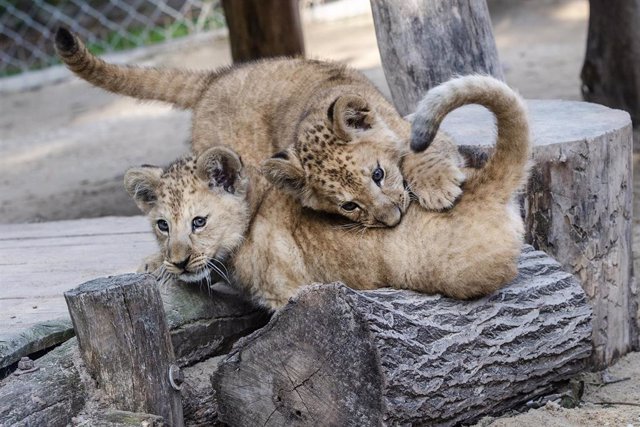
x,y
210,208
339,142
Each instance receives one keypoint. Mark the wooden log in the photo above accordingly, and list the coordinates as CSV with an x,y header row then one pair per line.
x,y
207,322
335,356
611,70
423,43
115,418
577,205
263,28
50,396
203,323
125,343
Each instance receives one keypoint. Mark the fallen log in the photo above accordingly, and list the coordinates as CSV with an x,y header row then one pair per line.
x,y
335,356
125,344
49,396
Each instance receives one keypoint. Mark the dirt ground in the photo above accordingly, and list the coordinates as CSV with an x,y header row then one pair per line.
x,y
64,146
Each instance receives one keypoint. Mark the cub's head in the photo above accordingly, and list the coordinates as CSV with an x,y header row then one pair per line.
x,y
344,160
197,207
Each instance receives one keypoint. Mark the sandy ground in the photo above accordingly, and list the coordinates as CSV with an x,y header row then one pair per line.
x,y
64,147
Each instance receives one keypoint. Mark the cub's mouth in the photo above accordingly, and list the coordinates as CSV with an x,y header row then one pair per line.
x,y
211,270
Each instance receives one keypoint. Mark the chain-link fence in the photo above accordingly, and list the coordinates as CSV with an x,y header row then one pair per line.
x,y
27,26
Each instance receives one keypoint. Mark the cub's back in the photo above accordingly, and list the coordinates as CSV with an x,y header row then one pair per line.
x,y
257,105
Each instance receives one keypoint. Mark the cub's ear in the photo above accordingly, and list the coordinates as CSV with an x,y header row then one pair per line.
x,y
222,168
142,185
349,115
284,171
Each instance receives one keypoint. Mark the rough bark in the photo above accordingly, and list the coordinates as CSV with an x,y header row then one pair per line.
x,y
578,205
263,28
50,396
611,70
336,356
203,324
125,344
425,42
115,418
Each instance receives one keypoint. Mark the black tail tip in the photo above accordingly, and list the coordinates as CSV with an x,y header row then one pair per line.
x,y
65,40
421,139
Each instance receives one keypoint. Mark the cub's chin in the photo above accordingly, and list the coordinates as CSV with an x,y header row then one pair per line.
x,y
196,277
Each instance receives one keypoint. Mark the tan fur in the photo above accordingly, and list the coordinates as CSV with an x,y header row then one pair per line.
x,y
334,124
275,246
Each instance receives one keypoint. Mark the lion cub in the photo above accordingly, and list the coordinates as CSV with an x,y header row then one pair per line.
x,y
341,146
209,209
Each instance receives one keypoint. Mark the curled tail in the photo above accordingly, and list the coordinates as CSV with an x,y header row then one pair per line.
x,y
182,88
507,168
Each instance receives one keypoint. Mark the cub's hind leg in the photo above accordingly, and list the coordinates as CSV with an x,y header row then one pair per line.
x,y
435,176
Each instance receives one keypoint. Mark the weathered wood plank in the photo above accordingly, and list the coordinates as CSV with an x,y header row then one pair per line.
x,y
38,262
335,356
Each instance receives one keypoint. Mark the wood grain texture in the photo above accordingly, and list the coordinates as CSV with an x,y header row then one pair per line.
x,y
38,262
423,43
335,356
203,323
50,396
125,343
578,205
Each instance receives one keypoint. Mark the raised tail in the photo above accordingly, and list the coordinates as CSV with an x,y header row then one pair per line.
x,y
181,88
507,168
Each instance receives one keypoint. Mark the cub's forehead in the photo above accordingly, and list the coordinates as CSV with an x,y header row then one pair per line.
x,y
179,184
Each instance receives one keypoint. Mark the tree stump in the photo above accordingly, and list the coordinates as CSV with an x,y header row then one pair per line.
x,y
335,356
577,204
125,343
263,28
611,70
423,43
202,323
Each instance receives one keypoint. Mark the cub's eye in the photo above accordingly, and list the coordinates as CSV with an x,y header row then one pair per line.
x,y
198,222
377,175
162,225
349,206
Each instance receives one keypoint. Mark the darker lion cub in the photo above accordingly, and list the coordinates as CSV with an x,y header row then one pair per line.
x,y
209,208
339,142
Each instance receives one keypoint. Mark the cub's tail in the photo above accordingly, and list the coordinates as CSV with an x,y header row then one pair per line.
x,y
507,168
182,88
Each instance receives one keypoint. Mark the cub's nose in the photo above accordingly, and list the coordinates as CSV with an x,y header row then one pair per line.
x,y
392,217
182,265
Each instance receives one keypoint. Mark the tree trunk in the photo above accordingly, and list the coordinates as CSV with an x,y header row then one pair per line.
x,y
335,356
263,28
426,42
611,70
578,205
125,343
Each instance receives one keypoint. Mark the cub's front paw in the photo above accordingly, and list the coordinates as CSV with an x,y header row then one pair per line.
x,y
439,192
151,265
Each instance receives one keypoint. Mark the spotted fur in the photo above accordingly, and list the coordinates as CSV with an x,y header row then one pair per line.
x,y
272,246
333,125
